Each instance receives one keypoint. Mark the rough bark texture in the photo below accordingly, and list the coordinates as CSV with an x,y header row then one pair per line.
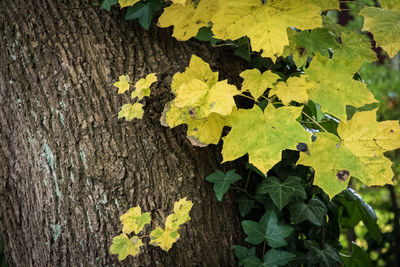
x,y
69,167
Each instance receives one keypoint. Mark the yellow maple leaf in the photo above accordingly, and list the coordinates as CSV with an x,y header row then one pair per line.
x,y
263,135
201,102
200,132
327,4
333,86
131,111
357,152
197,69
187,19
142,87
126,3
134,221
163,238
123,246
122,84
294,89
265,24
256,82
384,24
182,2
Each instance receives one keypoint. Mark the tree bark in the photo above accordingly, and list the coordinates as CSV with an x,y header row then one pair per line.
x,y
69,167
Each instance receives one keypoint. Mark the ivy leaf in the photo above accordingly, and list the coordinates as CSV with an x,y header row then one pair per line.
x,y
313,211
294,89
274,258
122,84
131,111
353,209
245,205
358,152
222,181
282,193
142,87
125,3
144,12
107,4
134,221
265,23
267,229
189,18
242,253
384,24
333,85
201,102
163,238
357,258
252,261
263,135
257,83
123,246
325,257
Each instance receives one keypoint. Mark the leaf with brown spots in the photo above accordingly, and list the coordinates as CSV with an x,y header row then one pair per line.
x,y
357,152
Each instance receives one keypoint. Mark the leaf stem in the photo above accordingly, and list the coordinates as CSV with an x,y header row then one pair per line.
x,y
319,125
265,243
249,97
247,181
234,186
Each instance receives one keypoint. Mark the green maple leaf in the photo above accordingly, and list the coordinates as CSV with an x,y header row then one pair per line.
x,y
305,44
263,135
357,47
358,152
282,192
265,23
268,229
313,211
134,221
384,24
333,85
222,181
123,246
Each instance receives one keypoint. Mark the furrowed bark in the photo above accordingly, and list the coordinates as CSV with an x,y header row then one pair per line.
x,y
69,167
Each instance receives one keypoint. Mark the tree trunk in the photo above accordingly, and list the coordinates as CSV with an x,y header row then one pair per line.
x,y
69,167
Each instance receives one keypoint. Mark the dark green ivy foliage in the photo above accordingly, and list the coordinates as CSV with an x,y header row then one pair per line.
x,y
290,222
287,220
